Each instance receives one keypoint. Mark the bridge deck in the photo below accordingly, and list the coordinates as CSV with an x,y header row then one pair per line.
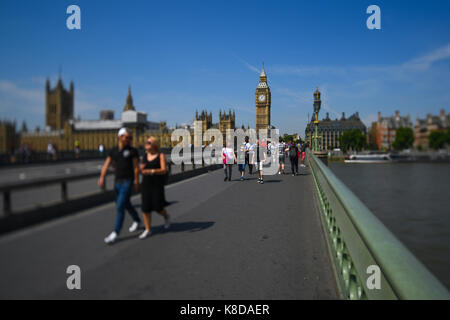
x,y
229,240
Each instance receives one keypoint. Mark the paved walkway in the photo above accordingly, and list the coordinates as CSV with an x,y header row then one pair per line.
x,y
229,240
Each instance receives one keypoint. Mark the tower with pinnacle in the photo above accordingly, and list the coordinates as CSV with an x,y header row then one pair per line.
x,y
58,105
263,102
129,103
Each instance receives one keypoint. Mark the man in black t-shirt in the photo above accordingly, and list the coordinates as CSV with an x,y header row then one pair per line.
x,y
125,159
293,157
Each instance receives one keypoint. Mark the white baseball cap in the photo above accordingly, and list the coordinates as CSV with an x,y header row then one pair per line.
x,y
123,131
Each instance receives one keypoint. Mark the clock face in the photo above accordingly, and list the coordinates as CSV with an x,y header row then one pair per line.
x,y
262,97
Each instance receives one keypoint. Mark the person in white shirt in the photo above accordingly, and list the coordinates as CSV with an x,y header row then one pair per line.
x,y
101,149
261,157
281,156
250,151
228,158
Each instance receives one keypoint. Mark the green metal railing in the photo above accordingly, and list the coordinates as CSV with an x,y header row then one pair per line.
x,y
357,240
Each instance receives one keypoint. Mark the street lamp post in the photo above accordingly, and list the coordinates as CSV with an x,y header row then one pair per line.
x,y
317,146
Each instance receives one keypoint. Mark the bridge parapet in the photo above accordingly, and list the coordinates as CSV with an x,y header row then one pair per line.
x,y
357,240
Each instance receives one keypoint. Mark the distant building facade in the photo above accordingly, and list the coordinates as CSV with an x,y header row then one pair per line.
x,y
227,121
8,136
58,105
424,127
386,129
329,130
64,132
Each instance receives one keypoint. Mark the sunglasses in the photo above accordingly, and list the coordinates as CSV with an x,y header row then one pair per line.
x,y
149,142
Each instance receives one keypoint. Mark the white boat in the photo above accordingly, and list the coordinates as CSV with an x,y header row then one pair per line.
x,y
369,158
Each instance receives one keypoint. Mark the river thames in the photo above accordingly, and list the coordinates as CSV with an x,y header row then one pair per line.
x,y
413,202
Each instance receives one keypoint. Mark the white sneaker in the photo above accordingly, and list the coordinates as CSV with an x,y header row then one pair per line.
x,y
111,238
167,224
134,226
145,234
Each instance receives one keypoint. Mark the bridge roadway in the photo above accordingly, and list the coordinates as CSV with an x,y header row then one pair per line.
x,y
228,240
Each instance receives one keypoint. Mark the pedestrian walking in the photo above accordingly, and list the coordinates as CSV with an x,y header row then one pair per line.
x,y
101,149
281,156
303,153
293,157
242,160
51,151
228,159
77,149
153,169
261,157
250,153
125,160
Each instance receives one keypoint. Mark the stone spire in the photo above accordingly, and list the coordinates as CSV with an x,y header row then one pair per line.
x,y
129,106
263,72
263,78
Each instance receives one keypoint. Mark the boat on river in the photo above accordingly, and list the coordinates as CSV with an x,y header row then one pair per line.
x,y
368,158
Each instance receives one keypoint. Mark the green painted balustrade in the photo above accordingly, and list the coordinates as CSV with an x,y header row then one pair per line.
x,y
357,241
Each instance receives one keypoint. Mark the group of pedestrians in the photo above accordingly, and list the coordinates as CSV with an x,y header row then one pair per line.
x,y
296,152
125,159
128,167
255,155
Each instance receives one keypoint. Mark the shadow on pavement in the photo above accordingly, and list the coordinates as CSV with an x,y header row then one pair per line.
x,y
190,226
168,203
174,227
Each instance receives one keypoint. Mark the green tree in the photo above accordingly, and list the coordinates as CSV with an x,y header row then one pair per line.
x,y
287,137
352,140
404,139
438,139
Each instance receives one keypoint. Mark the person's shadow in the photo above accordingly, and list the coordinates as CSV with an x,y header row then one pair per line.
x,y
271,181
168,203
190,226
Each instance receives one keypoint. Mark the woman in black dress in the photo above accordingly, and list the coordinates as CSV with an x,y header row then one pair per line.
x,y
153,168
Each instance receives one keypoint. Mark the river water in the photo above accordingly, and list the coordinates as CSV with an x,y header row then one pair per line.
x,y
413,202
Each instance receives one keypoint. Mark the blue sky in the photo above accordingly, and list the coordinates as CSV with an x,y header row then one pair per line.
x,y
179,56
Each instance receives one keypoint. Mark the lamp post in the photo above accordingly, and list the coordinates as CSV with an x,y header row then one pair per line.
x,y
317,103
317,145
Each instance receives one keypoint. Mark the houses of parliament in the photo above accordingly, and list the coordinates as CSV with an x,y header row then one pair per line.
x,y
65,132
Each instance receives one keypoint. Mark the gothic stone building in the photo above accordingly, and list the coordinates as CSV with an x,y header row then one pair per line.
x,y
331,130
64,132
58,105
8,136
226,121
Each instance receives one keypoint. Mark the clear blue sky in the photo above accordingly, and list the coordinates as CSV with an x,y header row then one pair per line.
x,y
179,56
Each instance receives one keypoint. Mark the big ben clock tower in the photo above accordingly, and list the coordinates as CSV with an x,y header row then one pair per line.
x,y
262,102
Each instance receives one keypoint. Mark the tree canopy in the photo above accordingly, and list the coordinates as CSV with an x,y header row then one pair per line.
x,y
352,140
438,139
404,139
